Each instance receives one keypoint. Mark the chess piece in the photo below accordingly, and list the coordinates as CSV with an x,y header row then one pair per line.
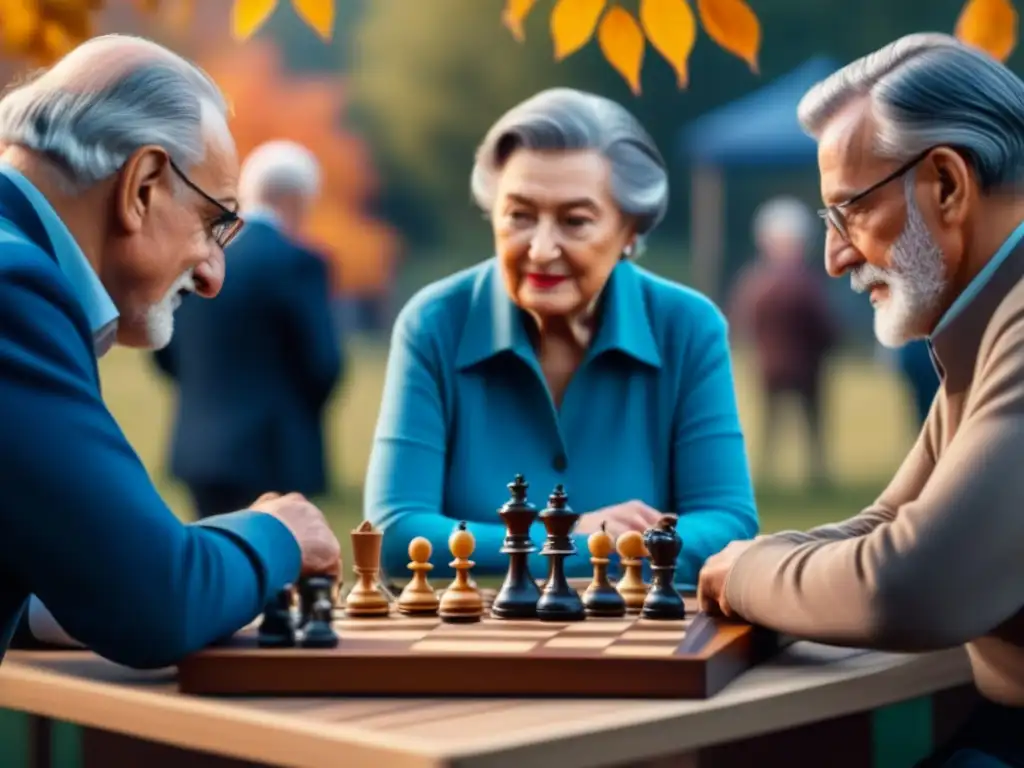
x,y
601,598
461,601
319,629
277,630
418,598
365,598
631,586
559,601
517,598
663,544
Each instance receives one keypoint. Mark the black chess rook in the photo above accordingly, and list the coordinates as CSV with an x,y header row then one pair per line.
x,y
518,596
558,600
663,543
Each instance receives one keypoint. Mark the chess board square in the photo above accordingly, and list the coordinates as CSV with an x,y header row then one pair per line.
x,y
477,632
384,634
643,635
598,627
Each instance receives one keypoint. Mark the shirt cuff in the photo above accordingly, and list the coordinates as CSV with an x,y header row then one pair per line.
x,y
268,540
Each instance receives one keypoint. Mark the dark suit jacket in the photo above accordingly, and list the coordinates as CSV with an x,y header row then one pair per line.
x,y
81,525
255,367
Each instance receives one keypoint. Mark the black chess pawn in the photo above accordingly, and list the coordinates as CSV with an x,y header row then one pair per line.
x,y
663,544
517,598
319,629
559,601
277,630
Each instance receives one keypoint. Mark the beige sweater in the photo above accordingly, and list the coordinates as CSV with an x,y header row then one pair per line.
x,y
938,560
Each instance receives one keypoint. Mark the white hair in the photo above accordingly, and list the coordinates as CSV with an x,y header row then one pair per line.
x,y
90,129
567,119
280,167
928,90
786,215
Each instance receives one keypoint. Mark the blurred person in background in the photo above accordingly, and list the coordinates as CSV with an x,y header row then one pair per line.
x,y
255,369
780,308
561,359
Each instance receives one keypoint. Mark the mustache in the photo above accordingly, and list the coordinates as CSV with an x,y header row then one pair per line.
x,y
867,275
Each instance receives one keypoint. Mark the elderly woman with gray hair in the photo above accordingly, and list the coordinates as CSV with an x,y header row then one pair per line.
x,y
561,359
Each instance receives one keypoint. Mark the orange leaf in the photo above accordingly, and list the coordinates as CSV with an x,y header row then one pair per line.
x,y
672,29
21,23
514,15
990,25
573,23
247,16
735,27
318,14
622,42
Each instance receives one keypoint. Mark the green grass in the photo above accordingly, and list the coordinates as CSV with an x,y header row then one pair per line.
x,y
868,423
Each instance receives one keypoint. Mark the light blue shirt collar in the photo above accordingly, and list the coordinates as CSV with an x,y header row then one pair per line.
x,y
981,278
96,302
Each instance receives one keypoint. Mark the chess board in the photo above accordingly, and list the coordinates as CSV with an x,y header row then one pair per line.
x,y
397,655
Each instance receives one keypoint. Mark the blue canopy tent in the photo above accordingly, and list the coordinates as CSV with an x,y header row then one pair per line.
x,y
759,130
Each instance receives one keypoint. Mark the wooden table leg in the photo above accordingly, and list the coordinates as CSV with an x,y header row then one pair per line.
x,y
40,734
102,749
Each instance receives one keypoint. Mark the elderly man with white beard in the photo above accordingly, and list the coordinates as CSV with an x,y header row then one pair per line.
x,y
921,156
118,187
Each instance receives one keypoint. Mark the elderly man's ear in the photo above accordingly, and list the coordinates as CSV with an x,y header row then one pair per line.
x,y
953,188
138,185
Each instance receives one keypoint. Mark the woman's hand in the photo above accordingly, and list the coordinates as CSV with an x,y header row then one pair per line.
x,y
619,518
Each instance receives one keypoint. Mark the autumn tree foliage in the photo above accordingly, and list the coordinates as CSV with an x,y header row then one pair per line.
x,y
270,103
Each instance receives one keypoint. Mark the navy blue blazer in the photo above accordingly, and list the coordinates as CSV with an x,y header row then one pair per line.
x,y
81,525
255,368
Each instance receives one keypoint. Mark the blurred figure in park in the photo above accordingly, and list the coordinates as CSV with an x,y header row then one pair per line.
x,y
255,369
561,359
780,309
117,197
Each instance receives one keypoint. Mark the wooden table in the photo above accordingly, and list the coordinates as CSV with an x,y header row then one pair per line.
x,y
810,706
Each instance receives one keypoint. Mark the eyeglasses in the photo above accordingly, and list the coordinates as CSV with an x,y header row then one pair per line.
x,y
834,213
227,225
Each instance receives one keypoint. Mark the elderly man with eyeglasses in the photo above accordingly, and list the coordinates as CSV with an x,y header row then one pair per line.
x,y
117,196
921,154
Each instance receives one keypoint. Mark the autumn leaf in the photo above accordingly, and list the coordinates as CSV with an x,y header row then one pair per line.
x,y
318,14
672,29
622,43
732,25
573,23
515,14
247,16
990,25
20,23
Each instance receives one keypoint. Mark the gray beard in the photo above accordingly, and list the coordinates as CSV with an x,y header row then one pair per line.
x,y
916,280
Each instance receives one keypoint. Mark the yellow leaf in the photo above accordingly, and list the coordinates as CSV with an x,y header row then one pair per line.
x,y
20,23
990,25
732,25
318,14
573,23
515,14
56,42
672,29
622,42
247,16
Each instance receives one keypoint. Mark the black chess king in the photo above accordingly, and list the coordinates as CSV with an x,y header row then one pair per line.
x,y
518,596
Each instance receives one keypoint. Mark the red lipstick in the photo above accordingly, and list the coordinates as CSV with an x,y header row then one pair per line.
x,y
540,280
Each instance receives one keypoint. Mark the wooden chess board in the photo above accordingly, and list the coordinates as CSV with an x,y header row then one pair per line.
x,y
410,656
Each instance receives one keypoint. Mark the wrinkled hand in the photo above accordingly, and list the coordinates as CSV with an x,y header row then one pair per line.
x,y
619,518
321,552
712,578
